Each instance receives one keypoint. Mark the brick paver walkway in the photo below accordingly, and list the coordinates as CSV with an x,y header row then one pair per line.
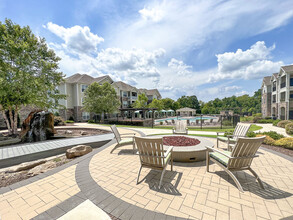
x,y
188,192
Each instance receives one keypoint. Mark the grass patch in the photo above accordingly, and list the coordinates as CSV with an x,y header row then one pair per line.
x,y
214,129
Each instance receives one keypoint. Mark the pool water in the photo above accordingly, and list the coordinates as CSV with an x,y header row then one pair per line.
x,y
190,119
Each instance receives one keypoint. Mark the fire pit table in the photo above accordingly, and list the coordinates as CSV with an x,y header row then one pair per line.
x,y
187,148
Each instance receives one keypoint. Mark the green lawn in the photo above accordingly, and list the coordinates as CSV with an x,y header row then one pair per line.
x,y
216,129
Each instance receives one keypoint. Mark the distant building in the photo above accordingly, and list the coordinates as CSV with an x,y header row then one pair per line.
x,y
227,112
185,112
277,94
76,84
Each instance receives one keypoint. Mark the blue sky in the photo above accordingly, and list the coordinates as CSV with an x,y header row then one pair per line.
x,y
206,48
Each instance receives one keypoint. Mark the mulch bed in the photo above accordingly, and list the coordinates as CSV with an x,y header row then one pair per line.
x,y
282,150
180,141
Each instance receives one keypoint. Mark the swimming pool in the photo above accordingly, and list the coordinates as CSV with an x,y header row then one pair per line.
x,y
190,119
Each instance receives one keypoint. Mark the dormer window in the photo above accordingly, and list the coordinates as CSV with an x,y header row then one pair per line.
x,y
84,87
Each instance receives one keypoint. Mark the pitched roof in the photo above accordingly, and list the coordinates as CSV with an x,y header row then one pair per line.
x,y
267,80
288,68
185,109
83,78
124,86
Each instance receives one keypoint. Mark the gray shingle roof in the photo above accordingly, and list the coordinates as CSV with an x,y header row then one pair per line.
x,y
83,78
267,80
288,68
124,86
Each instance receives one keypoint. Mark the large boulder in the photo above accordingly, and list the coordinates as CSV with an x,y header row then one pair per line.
x,y
26,166
78,151
38,126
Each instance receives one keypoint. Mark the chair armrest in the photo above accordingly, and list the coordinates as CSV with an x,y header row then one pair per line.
x,y
230,136
220,133
218,151
128,136
170,149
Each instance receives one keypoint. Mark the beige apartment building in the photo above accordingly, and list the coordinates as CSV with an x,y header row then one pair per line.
x,y
277,94
76,84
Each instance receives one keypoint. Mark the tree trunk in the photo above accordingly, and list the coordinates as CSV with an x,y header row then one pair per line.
x,y
11,120
6,120
15,120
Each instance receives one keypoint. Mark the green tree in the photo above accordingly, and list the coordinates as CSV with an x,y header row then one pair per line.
x,y
141,102
156,104
168,103
28,72
189,101
100,99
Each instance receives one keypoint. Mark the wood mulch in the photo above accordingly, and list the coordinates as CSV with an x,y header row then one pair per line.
x,y
282,150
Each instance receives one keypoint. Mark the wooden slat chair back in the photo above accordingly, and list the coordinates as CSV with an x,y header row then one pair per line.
x,y
152,155
241,130
180,127
126,140
239,159
244,152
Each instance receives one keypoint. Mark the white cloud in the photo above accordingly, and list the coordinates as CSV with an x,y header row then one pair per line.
x,y
253,63
180,67
78,39
152,14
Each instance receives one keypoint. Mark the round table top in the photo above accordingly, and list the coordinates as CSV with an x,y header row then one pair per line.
x,y
199,147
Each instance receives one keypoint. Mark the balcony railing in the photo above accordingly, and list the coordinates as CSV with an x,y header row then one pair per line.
x,y
283,84
274,89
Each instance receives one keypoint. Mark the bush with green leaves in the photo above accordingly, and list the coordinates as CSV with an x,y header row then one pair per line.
x,y
285,142
283,123
226,133
275,122
256,119
69,121
268,140
265,121
91,121
289,128
251,134
257,115
226,123
58,121
273,134
71,118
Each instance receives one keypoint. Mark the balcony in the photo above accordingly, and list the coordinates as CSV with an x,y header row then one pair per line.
x,y
274,89
283,84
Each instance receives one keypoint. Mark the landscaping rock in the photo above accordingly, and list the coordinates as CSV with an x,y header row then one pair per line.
x,y
42,168
26,166
78,151
83,133
68,132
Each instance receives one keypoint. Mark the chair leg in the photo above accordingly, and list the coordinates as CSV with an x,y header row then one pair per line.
x,y
117,145
235,180
138,174
133,147
217,143
257,178
208,161
171,162
162,175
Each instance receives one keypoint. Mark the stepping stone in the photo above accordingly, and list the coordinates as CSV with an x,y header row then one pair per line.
x,y
86,210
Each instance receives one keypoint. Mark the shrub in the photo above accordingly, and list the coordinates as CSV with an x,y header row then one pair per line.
x,y
275,122
161,123
283,123
91,121
69,121
226,133
257,115
248,118
58,121
265,121
56,114
256,119
285,142
273,134
289,128
251,134
268,140
268,117
226,123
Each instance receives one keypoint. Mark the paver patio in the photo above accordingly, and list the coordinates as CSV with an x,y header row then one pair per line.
x,y
109,181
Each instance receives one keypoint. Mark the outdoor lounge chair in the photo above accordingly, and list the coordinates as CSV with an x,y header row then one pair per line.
x,y
125,141
152,155
180,127
239,159
240,130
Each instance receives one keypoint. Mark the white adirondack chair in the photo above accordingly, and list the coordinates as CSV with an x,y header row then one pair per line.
x,y
127,140
239,159
240,130
153,156
180,127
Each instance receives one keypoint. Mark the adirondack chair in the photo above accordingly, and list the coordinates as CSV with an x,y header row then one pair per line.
x,y
127,140
240,130
180,127
239,159
152,155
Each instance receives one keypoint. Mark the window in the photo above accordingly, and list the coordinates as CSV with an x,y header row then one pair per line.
x,y
291,81
125,103
85,115
274,98
291,95
283,96
274,86
84,87
124,94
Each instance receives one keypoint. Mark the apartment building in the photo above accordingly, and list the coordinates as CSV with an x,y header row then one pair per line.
x,y
277,94
76,84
